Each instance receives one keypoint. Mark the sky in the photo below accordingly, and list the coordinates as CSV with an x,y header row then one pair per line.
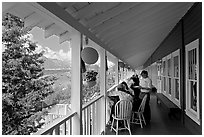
x,y
51,45
52,48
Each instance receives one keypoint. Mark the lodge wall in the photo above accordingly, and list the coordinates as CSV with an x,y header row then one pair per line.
x,y
188,29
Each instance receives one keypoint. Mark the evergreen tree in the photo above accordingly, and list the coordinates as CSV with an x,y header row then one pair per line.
x,y
23,85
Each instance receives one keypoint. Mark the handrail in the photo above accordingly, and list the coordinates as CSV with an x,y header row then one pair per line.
x,y
111,88
92,101
54,124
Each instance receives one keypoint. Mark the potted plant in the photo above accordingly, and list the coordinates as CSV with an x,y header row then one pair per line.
x,y
90,78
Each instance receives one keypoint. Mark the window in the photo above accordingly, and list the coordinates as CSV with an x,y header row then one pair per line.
x,y
159,80
192,85
171,77
176,77
169,74
164,81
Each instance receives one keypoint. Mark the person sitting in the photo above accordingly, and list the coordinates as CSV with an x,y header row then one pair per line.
x,y
127,89
122,93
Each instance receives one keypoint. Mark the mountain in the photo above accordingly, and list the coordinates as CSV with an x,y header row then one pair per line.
x,y
55,64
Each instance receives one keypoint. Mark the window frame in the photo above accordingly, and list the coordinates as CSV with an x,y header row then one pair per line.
x,y
163,75
169,75
175,100
194,115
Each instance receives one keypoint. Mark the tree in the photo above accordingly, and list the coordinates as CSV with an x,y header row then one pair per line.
x,y
23,85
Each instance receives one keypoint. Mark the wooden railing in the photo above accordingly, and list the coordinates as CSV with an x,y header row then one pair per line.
x,y
51,117
91,117
60,126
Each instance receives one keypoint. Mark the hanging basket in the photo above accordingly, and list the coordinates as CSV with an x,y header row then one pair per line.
x,y
121,64
89,83
89,55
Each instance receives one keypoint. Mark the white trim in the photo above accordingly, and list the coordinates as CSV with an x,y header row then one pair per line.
x,y
164,59
169,69
76,83
195,116
165,75
103,87
175,100
45,13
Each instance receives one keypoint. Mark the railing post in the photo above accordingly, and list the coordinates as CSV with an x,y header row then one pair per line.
x,y
76,88
116,72
103,89
57,130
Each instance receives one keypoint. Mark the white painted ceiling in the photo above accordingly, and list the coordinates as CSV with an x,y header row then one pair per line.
x,y
131,31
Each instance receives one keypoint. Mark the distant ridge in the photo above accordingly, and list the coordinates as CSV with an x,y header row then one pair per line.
x,y
55,64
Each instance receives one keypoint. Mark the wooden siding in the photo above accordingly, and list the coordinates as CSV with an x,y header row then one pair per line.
x,y
193,24
188,29
171,43
193,30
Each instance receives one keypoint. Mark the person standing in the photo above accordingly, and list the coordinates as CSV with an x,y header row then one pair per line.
x,y
134,86
145,88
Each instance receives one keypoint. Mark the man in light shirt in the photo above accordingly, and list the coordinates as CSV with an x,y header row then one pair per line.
x,y
146,87
145,82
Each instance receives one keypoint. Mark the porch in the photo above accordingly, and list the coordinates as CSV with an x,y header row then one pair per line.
x,y
118,33
160,124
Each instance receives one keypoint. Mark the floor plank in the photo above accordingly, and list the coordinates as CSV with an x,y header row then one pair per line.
x,y
160,124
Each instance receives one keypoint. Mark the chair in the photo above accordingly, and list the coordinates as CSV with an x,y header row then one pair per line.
x,y
139,113
123,112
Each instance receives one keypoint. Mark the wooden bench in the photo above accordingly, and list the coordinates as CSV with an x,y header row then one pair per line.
x,y
173,110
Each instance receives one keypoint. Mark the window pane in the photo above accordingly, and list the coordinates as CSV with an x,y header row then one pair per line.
x,y
176,88
195,65
192,64
164,84
176,67
169,67
189,64
169,85
164,68
193,91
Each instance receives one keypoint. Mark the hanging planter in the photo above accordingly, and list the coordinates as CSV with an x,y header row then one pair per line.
x,y
89,83
89,55
90,78
121,64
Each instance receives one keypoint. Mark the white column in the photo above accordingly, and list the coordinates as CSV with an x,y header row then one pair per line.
x,y
76,88
116,71
103,87
122,75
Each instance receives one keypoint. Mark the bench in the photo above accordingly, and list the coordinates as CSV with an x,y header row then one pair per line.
x,y
173,110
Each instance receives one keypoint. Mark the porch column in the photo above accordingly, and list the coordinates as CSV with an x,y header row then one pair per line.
x,y
123,73
116,71
76,88
103,87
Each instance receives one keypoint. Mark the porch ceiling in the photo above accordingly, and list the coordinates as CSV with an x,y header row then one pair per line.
x,y
131,31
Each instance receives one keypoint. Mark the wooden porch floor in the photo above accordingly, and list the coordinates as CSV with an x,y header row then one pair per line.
x,y
160,124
